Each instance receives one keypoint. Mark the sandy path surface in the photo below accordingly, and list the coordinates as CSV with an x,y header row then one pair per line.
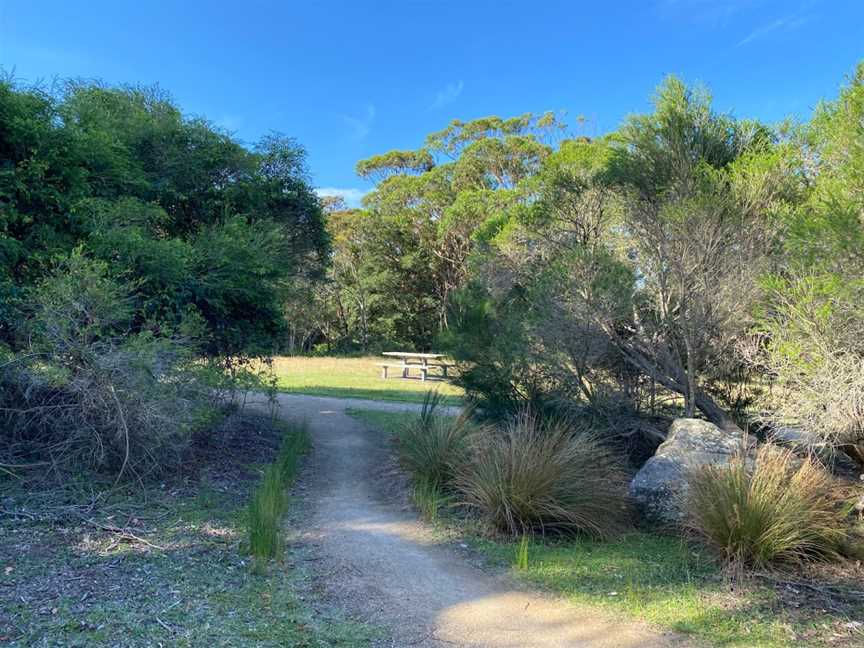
x,y
377,561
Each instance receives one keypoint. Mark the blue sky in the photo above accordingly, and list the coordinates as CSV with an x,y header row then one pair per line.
x,y
351,79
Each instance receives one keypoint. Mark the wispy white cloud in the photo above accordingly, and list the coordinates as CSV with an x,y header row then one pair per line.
x,y
352,196
360,125
784,24
447,95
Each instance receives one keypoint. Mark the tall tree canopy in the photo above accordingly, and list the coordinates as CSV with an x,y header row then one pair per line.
x,y
630,263
193,218
427,214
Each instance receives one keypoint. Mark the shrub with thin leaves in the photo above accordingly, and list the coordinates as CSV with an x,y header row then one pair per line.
x,y
776,508
539,477
433,446
91,392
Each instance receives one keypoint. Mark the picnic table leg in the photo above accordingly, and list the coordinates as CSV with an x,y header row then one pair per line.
x,y
384,372
404,368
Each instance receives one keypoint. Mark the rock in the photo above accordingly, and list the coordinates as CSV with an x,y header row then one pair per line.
x,y
858,507
804,443
658,489
796,438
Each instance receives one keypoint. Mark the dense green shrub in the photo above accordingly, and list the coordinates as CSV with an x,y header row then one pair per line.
x,y
173,204
489,336
813,321
139,250
540,477
774,509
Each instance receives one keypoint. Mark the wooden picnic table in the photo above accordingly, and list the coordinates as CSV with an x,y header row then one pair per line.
x,y
421,361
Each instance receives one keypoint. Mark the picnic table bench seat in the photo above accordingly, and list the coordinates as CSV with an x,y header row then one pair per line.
x,y
423,366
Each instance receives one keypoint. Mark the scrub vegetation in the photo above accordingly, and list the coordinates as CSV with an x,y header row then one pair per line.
x,y
156,272
673,582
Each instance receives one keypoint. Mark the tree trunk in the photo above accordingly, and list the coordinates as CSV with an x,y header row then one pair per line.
x,y
690,372
703,402
716,414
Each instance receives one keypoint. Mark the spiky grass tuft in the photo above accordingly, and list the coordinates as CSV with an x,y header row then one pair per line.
x,y
429,498
433,446
774,509
270,500
522,550
535,477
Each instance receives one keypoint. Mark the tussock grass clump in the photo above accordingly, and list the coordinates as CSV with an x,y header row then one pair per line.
x,y
266,509
539,477
430,498
270,500
433,446
522,553
772,510
294,445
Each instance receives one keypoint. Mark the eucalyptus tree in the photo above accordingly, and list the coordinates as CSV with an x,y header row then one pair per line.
x,y
433,202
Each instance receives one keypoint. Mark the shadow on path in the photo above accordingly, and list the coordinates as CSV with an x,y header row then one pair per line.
x,y
380,563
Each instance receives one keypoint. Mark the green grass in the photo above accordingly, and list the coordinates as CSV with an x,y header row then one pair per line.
x,y
388,422
658,579
200,587
429,499
669,583
354,378
522,553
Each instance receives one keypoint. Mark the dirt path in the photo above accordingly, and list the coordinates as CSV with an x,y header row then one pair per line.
x,y
377,561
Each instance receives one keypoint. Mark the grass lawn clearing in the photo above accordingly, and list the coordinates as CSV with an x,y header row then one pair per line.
x,y
164,567
673,584
355,378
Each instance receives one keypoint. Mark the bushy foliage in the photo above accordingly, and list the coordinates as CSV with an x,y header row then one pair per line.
x,y
92,391
534,476
629,265
813,319
171,203
489,335
139,250
773,509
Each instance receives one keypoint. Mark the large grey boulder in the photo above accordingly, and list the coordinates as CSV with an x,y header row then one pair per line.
x,y
660,486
